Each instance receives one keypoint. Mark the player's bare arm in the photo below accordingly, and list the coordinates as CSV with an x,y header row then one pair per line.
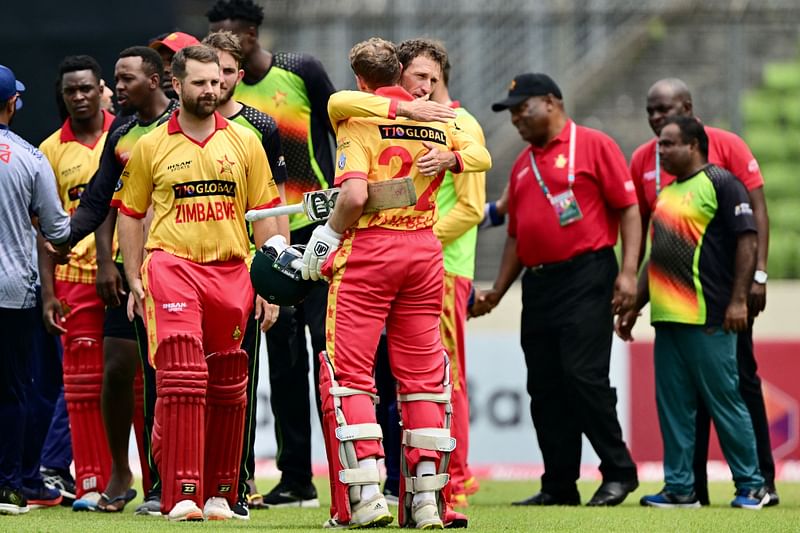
x,y
131,242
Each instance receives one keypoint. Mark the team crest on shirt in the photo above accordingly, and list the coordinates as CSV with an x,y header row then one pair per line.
x,y
225,165
237,333
561,161
342,161
279,98
687,199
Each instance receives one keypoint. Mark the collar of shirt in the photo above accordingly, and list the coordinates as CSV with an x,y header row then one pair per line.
x,y
173,126
68,135
395,92
3,126
562,137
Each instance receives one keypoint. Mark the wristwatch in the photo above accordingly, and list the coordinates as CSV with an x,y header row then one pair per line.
x,y
760,277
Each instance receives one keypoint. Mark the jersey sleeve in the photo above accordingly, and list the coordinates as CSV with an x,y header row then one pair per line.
x,y
96,197
612,172
352,153
45,203
741,162
637,176
318,87
472,156
261,189
734,206
271,142
346,104
136,182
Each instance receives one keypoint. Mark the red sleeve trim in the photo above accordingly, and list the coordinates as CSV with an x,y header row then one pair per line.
x,y
115,203
272,203
130,212
349,176
459,164
393,109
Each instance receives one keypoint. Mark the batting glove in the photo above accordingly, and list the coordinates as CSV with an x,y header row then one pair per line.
x,y
324,240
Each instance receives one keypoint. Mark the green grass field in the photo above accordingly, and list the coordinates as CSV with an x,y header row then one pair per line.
x,y
489,511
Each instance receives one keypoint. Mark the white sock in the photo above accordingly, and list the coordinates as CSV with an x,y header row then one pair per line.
x,y
368,491
425,468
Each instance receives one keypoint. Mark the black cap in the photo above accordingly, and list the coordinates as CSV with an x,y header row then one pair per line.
x,y
524,86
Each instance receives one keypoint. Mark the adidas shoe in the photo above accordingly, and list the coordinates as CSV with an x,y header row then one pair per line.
x,y
425,515
61,480
366,514
12,502
217,508
669,500
87,502
151,506
186,511
290,495
753,499
44,496
241,510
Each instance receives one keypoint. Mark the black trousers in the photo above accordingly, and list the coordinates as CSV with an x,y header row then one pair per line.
x,y
750,388
566,336
288,376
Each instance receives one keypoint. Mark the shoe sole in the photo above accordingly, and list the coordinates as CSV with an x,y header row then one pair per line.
x,y
757,507
695,505
11,509
147,513
310,504
194,516
381,521
434,525
241,517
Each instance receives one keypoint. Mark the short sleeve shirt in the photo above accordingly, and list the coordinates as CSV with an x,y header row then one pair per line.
x,y
200,191
602,188
696,224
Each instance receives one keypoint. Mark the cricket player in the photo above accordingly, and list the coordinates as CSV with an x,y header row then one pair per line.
x,y
200,173
386,269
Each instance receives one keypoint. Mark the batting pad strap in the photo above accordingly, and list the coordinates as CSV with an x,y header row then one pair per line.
x,y
359,432
442,397
426,483
434,439
341,392
360,476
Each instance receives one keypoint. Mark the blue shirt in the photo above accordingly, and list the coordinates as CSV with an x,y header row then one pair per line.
x,y
27,189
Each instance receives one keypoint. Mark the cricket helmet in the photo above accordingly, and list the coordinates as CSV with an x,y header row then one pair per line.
x,y
275,273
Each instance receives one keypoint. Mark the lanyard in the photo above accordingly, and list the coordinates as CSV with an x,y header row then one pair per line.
x,y
658,171
570,165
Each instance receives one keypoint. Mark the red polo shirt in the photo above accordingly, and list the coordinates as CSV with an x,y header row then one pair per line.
x,y
602,187
725,149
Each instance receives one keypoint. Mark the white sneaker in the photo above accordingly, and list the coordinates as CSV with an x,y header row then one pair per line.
x,y
217,508
185,511
371,513
426,515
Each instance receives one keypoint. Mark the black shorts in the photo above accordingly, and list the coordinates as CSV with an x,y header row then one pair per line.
x,y
116,323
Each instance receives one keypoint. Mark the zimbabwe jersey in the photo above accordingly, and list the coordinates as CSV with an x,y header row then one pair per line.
x,y
460,203
74,164
294,92
379,149
696,224
200,191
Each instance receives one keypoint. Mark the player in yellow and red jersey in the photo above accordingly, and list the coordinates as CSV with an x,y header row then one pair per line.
x,y
71,304
200,173
386,270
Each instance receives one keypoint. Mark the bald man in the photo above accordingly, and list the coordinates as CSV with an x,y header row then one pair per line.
x,y
671,97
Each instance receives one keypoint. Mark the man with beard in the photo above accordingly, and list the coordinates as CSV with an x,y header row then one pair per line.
x,y
138,75
27,188
293,89
230,56
71,306
200,173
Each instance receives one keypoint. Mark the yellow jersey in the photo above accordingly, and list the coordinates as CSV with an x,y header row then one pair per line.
x,y
74,164
200,191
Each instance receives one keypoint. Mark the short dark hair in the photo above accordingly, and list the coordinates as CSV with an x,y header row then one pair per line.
x,y
245,10
225,41
691,130
375,61
151,61
412,48
198,52
79,62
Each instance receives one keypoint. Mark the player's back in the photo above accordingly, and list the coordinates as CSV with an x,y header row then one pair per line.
x,y
382,149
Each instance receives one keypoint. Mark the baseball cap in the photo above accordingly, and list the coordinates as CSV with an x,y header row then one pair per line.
x,y
9,85
175,41
524,86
